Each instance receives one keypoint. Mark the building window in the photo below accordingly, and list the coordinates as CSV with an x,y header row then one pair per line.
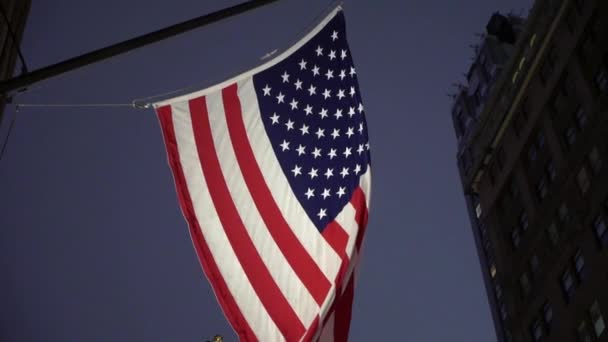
x,y
568,284
524,284
532,153
550,171
597,320
583,180
570,136
601,232
534,264
548,314
580,116
595,161
541,188
498,291
601,80
553,234
523,221
579,265
503,311
515,238
536,330
478,210
583,333
563,213
493,271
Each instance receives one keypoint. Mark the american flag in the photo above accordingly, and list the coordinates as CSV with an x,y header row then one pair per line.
x,y
272,171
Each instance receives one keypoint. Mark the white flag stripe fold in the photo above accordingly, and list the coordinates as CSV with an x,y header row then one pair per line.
x,y
306,232
327,334
282,273
231,270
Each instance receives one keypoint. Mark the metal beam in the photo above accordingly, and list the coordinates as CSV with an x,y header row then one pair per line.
x,y
24,80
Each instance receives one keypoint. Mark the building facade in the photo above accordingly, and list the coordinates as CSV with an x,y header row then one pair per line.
x,y
532,129
13,15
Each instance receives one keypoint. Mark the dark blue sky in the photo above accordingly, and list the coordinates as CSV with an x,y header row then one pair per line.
x,y
93,246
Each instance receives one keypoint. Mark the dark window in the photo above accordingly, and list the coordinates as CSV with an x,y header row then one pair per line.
x,y
601,232
514,189
579,265
583,180
548,314
563,214
515,239
534,264
567,282
536,330
524,284
553,234
580,116
532,153
601,80
541,188
550,171
583,332
523,221
595,161
498,291
570,136
503,311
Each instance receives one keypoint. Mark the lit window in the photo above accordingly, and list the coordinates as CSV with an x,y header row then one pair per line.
x,y
597,319
579,264
553,234
568,284
600,229
493,271
478,211
583,180
595,161
580,116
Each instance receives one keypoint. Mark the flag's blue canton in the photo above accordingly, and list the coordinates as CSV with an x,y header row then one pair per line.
x,y
312,111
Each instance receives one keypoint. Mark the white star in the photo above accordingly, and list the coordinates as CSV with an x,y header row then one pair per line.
x,y
308,110
280,98
323,113
266,90
293,104
319,51
304,129
332,55
360,108
325,193
367,146
338,114
298,84
335,133
310,193
341,192
350,131
329,173
285,145
357,169
322,213
285,77
326,93
352,72
329,74
341,94
344,172
334,35
313,173
275,118
315,71
316,152
352,91
360,128
342,74
360,149
312,90
347,152
297,170
289,125
301,149
351,111
343,54
320,133
302,64
332,153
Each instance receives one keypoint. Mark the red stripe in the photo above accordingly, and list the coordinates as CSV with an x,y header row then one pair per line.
x,y
227,302
312,330
336,236
358,201
267,290
343,313
302,263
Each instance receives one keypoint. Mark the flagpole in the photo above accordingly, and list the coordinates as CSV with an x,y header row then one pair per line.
x,y
22,81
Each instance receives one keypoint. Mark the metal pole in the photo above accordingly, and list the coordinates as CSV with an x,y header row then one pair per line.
x,y
24,80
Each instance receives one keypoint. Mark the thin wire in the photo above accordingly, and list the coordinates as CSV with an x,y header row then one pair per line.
x,y
10,129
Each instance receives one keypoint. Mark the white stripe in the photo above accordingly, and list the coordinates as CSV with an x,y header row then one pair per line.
x,y
306,232
346,219
231,270
283,275
365,182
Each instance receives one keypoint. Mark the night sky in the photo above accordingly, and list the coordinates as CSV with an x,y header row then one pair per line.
x,y
93,245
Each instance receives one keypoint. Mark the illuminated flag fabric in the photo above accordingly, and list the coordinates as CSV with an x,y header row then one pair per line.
x,y
272,171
